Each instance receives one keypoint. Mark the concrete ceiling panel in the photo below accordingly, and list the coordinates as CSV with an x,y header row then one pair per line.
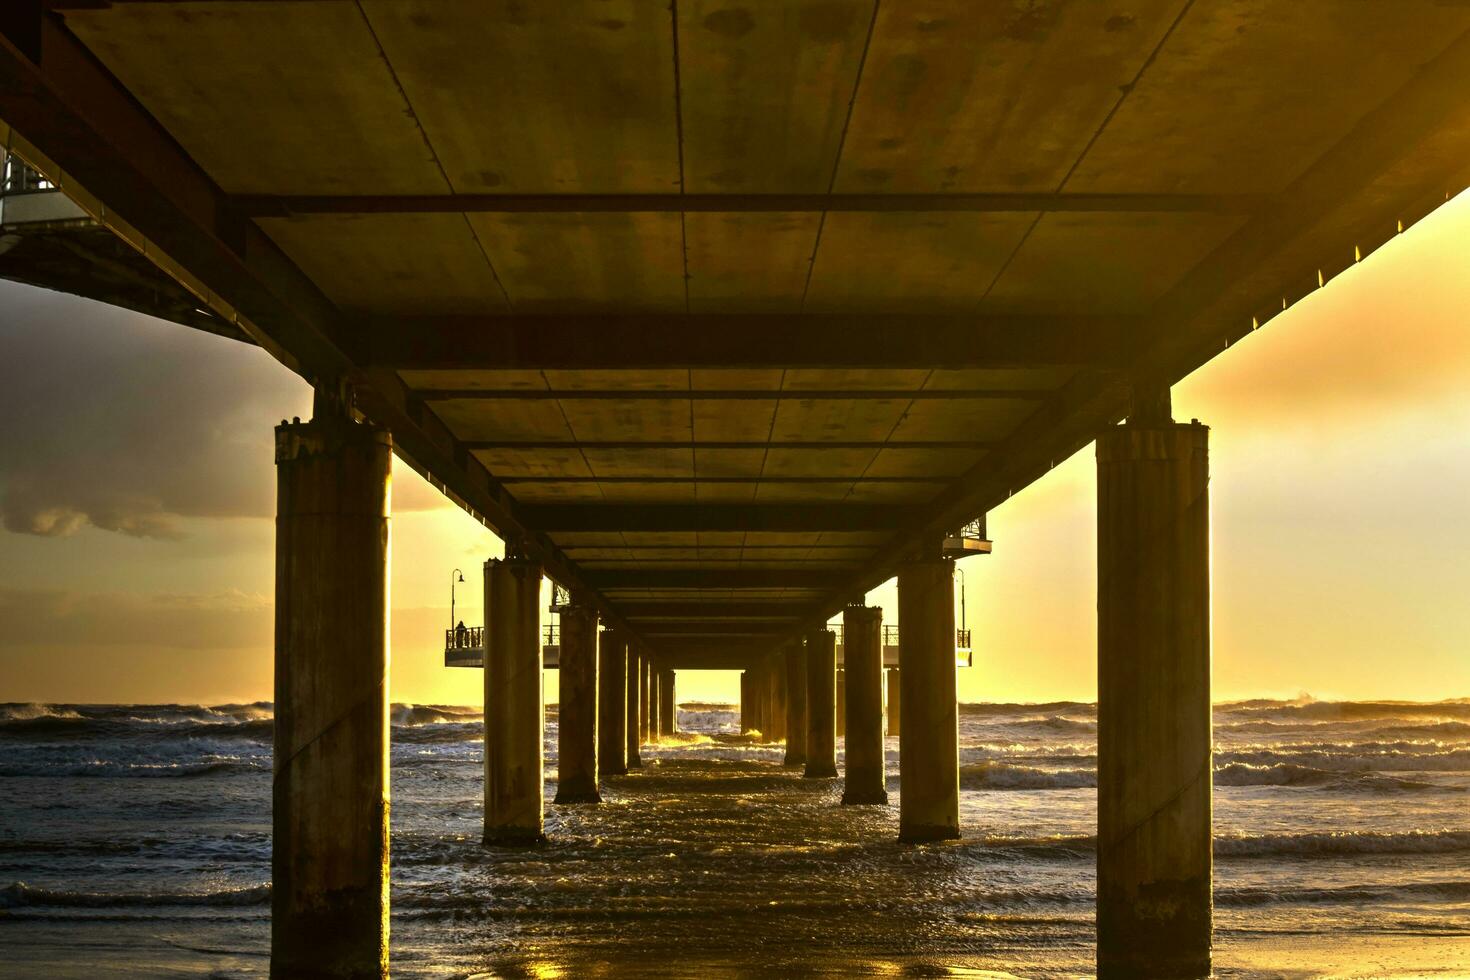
x,y
640,420
816,420
818,462
807,493
302,86
732,379
495,419
407,264
924,462
729,462
931,262
557,493
1244,96
534,462
749,263
587,263
674,461
983,419
1105,263
635,493
764,89
733,421
674,379
570,97
852,379
965,96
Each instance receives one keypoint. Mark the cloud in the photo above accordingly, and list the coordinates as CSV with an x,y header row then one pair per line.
x,y
116,420
127,423
87,620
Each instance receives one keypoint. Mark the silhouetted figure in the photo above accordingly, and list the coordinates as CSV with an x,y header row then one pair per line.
x,y
459,636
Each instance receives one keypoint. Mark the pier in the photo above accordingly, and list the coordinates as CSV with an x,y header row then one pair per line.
x,y
720,318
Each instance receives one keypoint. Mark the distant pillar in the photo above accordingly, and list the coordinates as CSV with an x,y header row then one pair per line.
x,y
667,706
576,727
895,702
612,705
796,705
747,719
821,698
862,630
1153,732
841,703
776,695
515,713
329,823
928,752
651,701
635,707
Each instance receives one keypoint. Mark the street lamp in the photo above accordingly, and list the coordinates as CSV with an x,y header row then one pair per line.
x,y
454,576
961,573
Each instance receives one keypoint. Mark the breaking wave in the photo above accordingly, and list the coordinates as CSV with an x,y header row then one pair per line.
x,y
21,895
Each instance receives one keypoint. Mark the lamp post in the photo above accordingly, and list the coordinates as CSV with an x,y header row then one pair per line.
x,y
454,576
961,573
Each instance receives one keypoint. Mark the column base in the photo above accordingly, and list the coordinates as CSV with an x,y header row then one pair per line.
x,y
926,834
577,794
513,837
864,797
633,764
819,772
1133,968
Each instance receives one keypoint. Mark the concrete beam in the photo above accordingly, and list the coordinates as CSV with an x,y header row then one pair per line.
x,y
789,340
712,517
284,206
609,580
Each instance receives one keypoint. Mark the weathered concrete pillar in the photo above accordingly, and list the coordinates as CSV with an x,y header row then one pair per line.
x,y
796,705
862,629
515,712
747,714
776,695
576,726
634,696
928,750
895,702
612,705
649,720
668,720
821,698
329,822
841,703
1153,732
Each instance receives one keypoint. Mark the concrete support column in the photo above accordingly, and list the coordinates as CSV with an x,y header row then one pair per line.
x,y
862,629
515,712
612,705
841,704
668,721
776,695
747,715
821,697
650,703
928,752
796,705
1153,733
329,821
634,696
576,753
895,702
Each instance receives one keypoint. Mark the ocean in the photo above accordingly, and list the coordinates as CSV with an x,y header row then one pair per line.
x,y
135,841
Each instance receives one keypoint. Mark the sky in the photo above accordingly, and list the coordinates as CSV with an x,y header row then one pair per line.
x,y
137,496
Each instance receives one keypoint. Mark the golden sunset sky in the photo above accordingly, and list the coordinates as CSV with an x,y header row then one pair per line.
x,y
136,490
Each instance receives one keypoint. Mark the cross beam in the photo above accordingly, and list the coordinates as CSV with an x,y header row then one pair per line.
x,y
799,518
736,340
283,206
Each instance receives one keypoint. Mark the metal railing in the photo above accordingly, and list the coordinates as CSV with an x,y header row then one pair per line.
x,y
890,636
466,638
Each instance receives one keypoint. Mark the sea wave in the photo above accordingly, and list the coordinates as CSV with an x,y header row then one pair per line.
x,y
21,895
1001,776
1414,891
1292,774
1343,843
1350,758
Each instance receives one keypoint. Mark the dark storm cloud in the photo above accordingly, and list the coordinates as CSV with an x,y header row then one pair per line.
x,y
111,418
